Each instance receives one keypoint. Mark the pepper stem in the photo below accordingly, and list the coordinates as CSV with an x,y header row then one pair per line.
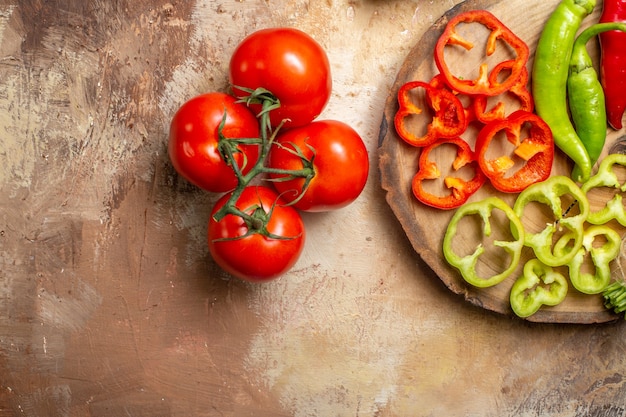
x,y
580,59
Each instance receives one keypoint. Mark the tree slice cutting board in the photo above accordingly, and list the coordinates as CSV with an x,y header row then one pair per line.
x,y
425,226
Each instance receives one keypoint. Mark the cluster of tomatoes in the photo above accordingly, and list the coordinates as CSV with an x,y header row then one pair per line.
x,y
262,146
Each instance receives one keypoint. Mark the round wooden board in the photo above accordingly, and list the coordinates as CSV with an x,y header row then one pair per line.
x,y
424,226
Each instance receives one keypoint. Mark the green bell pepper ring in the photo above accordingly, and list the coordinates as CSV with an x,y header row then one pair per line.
x,y
467,264
549,192
539,285
601,256
606,177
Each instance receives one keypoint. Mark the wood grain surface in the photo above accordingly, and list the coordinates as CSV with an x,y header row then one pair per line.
x,y
110,304
424,225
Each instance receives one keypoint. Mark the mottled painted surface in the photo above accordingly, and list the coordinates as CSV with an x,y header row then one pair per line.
x,y
110,304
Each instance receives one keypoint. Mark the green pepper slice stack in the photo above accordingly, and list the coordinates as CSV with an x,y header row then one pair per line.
x,y
601,256
550,193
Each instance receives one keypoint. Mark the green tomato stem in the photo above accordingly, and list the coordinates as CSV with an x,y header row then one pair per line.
x,y
266,141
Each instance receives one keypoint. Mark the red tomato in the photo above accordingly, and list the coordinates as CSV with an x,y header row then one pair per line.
x,y
341,165
194,139
256,257
288,63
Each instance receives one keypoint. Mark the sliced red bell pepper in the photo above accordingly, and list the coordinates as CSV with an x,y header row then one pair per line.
x,y
519,91
448,119
482,85
460,189
438,81
535,151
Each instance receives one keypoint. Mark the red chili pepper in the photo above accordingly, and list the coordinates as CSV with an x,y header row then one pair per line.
x,y
533,145
519,90
482,85
613,62
460,189
448,119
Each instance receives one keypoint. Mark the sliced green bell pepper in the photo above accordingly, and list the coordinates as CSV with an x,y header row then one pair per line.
x,y
467,264
550,193
606,177
601,256
539,285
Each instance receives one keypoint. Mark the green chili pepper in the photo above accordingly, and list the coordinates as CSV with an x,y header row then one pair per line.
x,y
549,192
467,264
549,78
606,177
601,256
585,94
539,285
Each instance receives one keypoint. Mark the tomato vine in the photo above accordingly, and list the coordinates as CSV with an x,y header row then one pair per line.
x,y
268,134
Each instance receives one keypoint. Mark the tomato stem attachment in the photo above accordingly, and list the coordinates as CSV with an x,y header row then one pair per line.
x,y
228,147
256,223
261,96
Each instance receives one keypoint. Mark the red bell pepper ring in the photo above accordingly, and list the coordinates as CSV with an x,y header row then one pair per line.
x,y
519,91
483,84
448,119
533,146
438,81
460,189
